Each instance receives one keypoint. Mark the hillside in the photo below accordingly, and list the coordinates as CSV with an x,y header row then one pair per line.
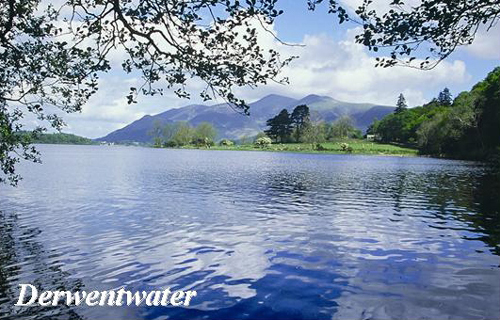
x,y
58,138
233,125
467,127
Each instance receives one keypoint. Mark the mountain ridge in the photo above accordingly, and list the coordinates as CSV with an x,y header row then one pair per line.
x,y
233,125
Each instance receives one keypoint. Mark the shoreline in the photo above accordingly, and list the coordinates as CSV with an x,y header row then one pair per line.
x,y
357,147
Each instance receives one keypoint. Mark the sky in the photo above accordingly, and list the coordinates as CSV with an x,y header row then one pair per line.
x,y
330,63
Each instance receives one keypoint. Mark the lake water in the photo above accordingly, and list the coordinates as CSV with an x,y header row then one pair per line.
x,y
258,235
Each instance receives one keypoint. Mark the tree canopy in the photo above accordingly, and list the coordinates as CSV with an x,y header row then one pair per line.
x,y
280,127
438,27
300,119
444,97
467,127
401,104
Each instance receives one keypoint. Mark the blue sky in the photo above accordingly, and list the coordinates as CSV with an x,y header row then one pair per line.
x,y
330,64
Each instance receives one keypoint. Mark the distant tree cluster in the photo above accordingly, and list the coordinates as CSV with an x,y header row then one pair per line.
x,y
61,138
179,134
54,138
297,127
466,127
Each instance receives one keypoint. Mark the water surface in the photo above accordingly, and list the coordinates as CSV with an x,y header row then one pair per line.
x,y
257,234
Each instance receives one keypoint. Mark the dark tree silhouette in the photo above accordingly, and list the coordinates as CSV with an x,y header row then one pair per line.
x,y
300,118
280,127
445,98
401,104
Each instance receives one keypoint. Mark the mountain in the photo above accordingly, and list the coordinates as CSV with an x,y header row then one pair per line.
x,y
232,125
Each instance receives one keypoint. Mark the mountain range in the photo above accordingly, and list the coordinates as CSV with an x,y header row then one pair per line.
x,y
233,125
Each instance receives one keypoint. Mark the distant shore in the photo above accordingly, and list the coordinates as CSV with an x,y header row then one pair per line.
x,y
351,146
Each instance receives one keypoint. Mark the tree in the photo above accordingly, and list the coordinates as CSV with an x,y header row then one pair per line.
x,y
51,57
169,131
157,133
401,104
300,120
280,127
226,143
205,131
444,97
263,142
244,140
439,26
184,134
373,128
343,127
467,127
261,135
314,133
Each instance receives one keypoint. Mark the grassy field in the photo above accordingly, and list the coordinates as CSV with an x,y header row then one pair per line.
x,y
358,147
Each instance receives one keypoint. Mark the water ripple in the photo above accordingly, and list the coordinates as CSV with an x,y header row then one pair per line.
x,y
258,235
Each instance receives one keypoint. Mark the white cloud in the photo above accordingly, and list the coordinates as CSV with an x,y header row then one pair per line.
x,y
486,45
345,71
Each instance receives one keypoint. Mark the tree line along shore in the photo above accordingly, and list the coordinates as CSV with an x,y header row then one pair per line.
x,y
464,127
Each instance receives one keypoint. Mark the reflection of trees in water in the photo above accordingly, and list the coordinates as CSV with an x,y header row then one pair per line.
x,y
487,196
478,194
23,259
470,196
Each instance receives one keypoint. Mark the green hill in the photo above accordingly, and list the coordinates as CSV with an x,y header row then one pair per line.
x,y
59,138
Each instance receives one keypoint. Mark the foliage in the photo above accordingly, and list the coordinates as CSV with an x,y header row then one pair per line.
x,y
157,133
203,142
401,104
314,133
184,134
280,127
11,141
444,97
51,57
263,142
260,135
168,133
59,138
244,139
206,132
308,132
342,128
179,134
300,119
467,127
226,142
439,26
358,147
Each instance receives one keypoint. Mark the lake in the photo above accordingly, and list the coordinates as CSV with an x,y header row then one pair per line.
x,y
257,234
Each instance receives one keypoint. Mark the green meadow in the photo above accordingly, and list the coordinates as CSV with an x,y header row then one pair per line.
x,y
335,147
